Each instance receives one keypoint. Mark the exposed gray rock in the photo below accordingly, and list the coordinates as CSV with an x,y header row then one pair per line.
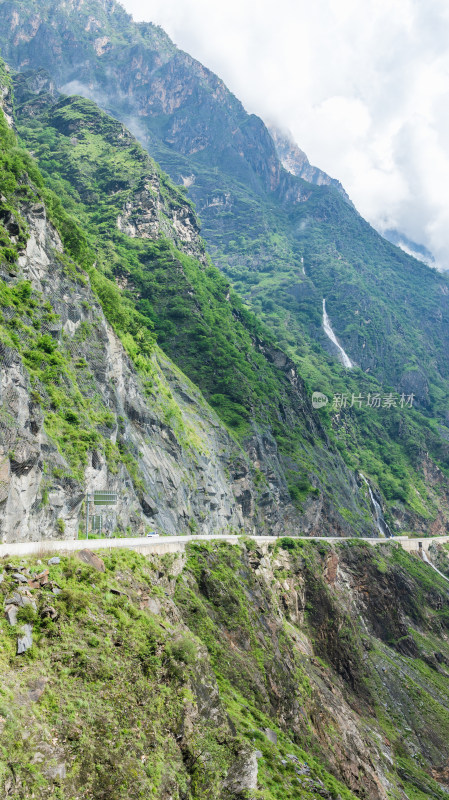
x,y
178,465
21,598
25,641
90,558
57,772
271,735
189,469
54,560
6,104
153,605
11,614
14,599
29,601
20,578
242,776
295,161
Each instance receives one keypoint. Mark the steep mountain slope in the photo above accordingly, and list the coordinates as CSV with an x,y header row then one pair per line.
x,y
259,219
284,243
114,411
295,161
296,672
77,413
199,321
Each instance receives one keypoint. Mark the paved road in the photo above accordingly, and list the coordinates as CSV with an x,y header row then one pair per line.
x,y
174,544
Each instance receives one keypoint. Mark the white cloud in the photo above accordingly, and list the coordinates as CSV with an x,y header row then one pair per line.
x,y
364,88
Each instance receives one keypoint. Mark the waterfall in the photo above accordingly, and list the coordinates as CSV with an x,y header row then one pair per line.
x,y
428,561
381,525
342,356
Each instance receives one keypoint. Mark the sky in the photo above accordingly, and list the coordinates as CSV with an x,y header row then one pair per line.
x,y
363,87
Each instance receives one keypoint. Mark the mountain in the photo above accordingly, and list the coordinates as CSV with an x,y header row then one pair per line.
x,y
116,237
258,219
231,400
294,671
295,161
418,251
284,244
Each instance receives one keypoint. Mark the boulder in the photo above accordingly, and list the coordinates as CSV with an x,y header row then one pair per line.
x,y
25,641
151,603
11,614
19,577
90,558
242,775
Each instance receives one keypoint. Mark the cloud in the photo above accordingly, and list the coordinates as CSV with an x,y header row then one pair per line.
x,y
362,86
83,90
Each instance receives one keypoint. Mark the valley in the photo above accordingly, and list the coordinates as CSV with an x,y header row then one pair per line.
x,y
196,321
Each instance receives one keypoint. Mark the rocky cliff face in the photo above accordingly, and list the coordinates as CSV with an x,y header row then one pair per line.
x,y
295,670
181,471
146,215
283,242
350,661
152,438
85,410
158,89
295,161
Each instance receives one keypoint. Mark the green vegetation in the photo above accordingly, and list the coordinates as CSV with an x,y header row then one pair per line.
x,y
116,213
72,418
119,686
184,300
149,287
139,682
109,683
61,367
100,175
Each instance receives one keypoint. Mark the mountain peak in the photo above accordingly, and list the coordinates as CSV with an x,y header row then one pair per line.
x,y
295,161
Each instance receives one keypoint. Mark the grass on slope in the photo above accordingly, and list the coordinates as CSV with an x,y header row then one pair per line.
x,y
117,699
205,327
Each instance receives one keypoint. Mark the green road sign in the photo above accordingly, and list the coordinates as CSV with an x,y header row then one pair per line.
x,y
98,499
105,498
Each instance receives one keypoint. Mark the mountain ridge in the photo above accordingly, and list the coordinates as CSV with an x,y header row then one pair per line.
x,y
123,209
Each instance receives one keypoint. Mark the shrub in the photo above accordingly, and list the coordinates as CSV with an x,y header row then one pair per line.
x,y
74,600
184,650
60,525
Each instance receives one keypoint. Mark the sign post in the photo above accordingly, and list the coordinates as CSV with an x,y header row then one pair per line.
x,y
98,499
87,515
97,523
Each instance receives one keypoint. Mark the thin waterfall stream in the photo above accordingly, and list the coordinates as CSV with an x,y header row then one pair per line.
x,y
381,525
428,561
341,354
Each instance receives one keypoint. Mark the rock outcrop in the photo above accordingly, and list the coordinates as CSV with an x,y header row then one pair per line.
x,y
289,669
88,408
180,450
